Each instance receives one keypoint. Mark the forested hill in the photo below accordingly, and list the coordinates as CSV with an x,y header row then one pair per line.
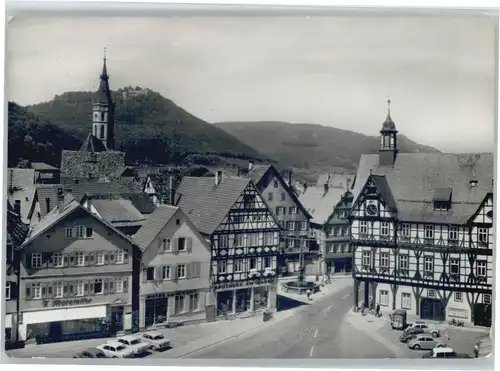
x,y
149,127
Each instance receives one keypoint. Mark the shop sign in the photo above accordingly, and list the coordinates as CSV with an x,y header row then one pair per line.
x,y
67,302
458,313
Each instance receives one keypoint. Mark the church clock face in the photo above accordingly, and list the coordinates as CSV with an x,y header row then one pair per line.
x,y
371,210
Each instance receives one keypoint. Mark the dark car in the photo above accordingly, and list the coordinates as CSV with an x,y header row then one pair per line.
x,y
445,353
90,353
409,333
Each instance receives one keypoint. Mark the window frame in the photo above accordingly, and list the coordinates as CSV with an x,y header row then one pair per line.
x,y
384,229
181,267
407,296
8,290
384,294
36,258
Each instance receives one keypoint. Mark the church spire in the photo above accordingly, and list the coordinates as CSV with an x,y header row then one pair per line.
x,y
388,140
104,74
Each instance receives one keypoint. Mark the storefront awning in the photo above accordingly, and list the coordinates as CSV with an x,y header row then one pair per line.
x,y
64,314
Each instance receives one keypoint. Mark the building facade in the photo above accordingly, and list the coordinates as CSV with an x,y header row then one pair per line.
x,y
16,233
421,232
296,246
175,282
338,255
78,276
244,241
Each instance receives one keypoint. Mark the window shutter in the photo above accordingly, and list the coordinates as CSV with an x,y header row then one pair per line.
x,y
66,260
112,257
157,273
188,271
49,260
106,286
65,288
28,260
92,258
72,259
14,294
160,246
43,288
175,245
144,275
125,256
112,288
91,287
173,272
27,291
125,284
189,244
106,258
198,269
86,288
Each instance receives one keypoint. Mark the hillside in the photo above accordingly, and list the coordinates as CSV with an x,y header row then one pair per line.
x,y
31,138
149,127
311,146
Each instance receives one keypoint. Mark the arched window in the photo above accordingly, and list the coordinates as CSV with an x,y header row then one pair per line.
x,y
102,131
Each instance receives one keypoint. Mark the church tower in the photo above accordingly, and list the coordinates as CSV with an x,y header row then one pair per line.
x,y
103,112
388,140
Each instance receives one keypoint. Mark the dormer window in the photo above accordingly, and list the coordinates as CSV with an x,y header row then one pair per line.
x,y
442,199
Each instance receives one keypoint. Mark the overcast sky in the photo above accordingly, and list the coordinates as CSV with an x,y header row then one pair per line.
x,y
333,71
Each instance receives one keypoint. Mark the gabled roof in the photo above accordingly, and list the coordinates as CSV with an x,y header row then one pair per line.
x,y
39,166
488,196
346,201
320,202
257,175
385,191
118,211
16,229
414,178
93,144
205,203
153,225
55,216
160,182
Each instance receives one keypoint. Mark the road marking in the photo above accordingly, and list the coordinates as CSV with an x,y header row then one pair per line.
x,y
345,296
311,352
316,333
327,309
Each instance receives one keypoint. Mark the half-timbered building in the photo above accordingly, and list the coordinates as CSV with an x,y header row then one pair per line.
x,y
421,232
297,249
244,239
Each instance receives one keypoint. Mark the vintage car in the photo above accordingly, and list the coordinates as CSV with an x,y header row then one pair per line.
x,y
409,334
114,349
134,342
156,340
424,341
426,327
445,353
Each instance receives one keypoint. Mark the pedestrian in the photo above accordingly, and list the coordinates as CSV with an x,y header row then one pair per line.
x,y
377,311
308,292
370,302
447,336
476,350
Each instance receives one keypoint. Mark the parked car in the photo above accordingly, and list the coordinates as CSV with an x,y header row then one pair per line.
x,y
410,333
445,353
424,341
90,353
134,342
425,326
114,349
156,340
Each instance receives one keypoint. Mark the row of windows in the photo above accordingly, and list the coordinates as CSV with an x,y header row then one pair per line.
x,y
186,303
172,272
80,231
78,288
339,248
180,244
270,197
249,239
338,231
296,242
454,264
281,210
429,231
78,259
239,265
406,298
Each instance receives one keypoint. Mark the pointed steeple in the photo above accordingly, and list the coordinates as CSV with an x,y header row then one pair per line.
x,y
104,74
104,93
388,124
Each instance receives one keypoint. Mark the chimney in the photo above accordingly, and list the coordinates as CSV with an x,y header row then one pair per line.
x,y
218,177
89,203
60,199
171,189
250,165
290,178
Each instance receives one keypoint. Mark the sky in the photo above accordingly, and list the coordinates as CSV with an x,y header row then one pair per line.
x,y
334,71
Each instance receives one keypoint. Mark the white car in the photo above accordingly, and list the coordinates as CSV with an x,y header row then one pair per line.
x,y
156,340
134,343
114,349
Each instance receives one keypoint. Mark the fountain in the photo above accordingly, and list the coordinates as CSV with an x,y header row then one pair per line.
x,y
300,286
